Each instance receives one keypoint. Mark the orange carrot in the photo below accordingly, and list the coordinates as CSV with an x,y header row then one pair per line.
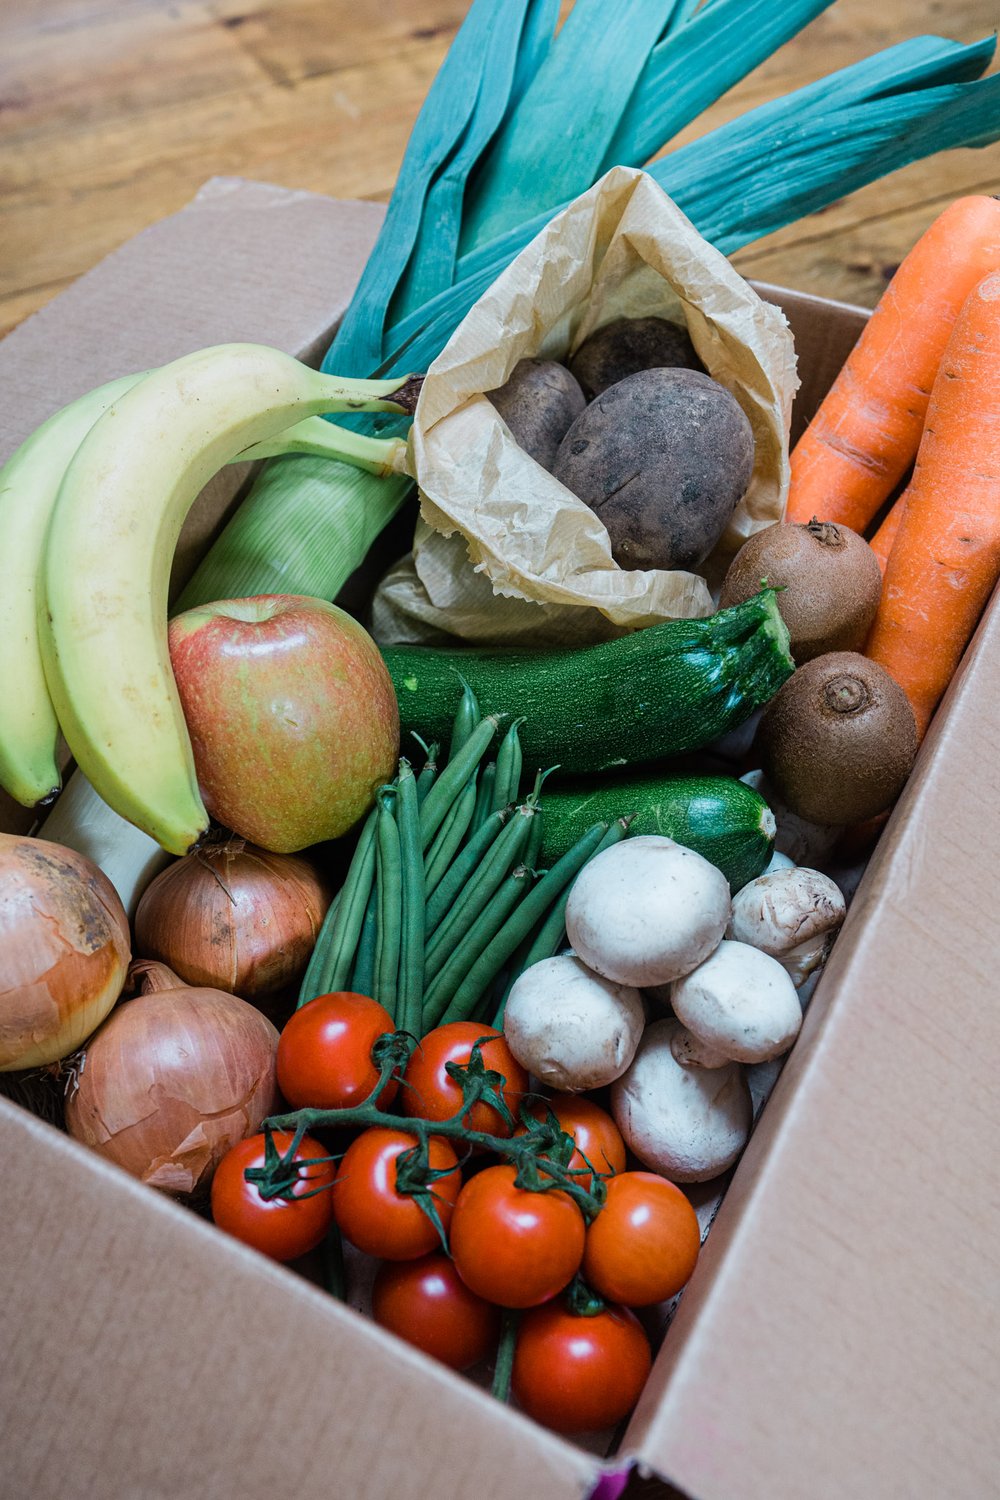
x,y
881,542
945,560
864,436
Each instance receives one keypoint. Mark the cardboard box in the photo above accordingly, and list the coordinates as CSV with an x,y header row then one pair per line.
x,y
840,1334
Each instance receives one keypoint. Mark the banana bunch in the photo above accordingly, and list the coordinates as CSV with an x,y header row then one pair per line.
x,y
91,506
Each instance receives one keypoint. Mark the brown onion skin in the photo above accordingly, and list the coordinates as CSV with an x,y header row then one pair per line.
x,y
233,917
172,1080
64,950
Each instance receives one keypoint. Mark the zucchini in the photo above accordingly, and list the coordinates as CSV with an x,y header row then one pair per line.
x,y
721,818
655,693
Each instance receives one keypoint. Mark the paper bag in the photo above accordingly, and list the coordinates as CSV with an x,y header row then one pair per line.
x,y
503,551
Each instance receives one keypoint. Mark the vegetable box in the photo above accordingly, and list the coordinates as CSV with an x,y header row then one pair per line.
x,y
840,1333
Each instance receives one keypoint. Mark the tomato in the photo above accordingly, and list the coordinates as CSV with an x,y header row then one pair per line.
x,y
426,1303
644,1243
512,1246
598,1139
324,1052
280,1227
577,1374
373,1214
430,1093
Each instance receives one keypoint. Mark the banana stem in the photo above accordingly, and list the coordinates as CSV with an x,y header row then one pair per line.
x,y
398,395
323,439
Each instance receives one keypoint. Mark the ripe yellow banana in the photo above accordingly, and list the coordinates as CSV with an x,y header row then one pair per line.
x,y
29,483
102,621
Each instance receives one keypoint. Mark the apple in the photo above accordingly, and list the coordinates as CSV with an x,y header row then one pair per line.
x,y
292,716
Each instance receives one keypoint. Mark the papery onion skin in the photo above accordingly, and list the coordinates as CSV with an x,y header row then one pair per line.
x,y
64,950
233,917
172,1080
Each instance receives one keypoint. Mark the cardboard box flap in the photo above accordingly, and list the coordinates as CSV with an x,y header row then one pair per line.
x,y
841,1333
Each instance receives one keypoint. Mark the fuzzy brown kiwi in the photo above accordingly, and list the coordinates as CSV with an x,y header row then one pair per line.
x,y
829,579
838,740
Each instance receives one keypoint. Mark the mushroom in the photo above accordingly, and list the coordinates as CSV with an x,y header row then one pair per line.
x,y
794,915
778,861
689,1124
739,1004
571,1028
647,910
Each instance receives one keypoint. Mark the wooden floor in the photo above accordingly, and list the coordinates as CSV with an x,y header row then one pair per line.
x,y
113,112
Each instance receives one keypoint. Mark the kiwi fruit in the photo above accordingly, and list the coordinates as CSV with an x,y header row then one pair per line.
x,y
838,740
628,345
539,403
829,579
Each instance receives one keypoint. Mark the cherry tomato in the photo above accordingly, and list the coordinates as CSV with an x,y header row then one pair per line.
x,y
644,1243
597,1137
577,1374
512,1246
430,1092
324,1052
373,1214
426,1303
280,1227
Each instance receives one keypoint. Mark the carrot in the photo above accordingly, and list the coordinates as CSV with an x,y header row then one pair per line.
x,y
881,542
864,436
945,560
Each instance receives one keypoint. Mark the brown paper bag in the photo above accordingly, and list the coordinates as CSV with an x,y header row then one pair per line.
x,y
503,551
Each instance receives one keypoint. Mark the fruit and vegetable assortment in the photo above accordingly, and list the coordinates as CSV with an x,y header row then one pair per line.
x,y
470,1060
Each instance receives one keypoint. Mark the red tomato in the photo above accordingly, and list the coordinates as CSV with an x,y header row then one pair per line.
x,y
280,1227
376,1217
577,1374
431,1094
324,1052
426,1303
644,1243
597,1137
512,1246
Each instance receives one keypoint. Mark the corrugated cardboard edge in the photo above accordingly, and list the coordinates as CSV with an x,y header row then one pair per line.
x,y
841,1333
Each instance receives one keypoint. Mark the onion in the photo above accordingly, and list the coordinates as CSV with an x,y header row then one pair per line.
x,y
233,917
172,1080
64,950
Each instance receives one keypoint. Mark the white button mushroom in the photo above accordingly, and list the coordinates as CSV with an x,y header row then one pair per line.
x,y
739,1003
794,915
689,1124
647,910
571,1028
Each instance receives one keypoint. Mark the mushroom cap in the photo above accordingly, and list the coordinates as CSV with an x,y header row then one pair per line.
x,y
571,1028
690,1124
740,1003
794,915
647,910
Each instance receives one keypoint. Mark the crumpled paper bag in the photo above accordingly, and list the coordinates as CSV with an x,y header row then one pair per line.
x,y
503,551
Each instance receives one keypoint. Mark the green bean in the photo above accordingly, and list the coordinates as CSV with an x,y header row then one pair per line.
x,y
551,934
504,853
462,867
467,716
448,839
411,952
534,846
390,906
484,797
363,973
438,1004
430,768
330,965
507,781
513,932
456,773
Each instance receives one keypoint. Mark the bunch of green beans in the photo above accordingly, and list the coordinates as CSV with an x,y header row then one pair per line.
x,y
443,901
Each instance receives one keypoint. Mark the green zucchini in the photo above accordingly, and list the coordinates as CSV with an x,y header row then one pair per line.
x,y
721,818
657,692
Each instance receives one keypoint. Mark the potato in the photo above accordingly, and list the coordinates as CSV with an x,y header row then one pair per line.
x,y
539,404
663,458
628,345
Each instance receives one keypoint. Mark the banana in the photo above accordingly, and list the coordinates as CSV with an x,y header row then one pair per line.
x,y
102,620
29,483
